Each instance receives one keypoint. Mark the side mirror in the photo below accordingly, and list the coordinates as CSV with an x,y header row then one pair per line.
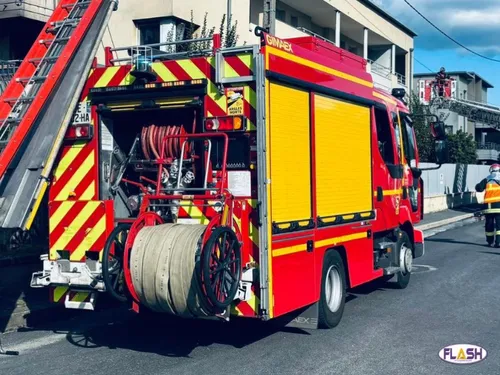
x,y
441,151
395,170
438,130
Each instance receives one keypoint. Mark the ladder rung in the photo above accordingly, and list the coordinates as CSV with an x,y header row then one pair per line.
x,y
10,121
55,40
46,59
22,99
79,4
55,26
28,79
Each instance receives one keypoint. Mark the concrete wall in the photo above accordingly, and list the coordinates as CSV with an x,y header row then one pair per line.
x,y
38,10
451,186
372,21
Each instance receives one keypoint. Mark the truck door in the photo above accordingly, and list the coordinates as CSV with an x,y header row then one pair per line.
x,y
388,171
412,181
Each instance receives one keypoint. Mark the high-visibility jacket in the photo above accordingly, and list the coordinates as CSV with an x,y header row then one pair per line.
x,y
492,193
491,187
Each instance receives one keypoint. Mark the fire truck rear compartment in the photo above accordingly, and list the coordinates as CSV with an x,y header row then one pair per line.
x,y
163,272
132,140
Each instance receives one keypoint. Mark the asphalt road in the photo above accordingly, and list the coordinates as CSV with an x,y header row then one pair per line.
x,y
452,299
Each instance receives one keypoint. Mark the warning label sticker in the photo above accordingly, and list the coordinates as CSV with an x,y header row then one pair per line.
x,y
235,99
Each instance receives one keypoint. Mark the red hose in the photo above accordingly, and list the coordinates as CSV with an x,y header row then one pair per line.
x,y
152,138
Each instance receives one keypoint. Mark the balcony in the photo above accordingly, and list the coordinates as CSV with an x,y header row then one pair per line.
x,y
388,57
38,10
488,151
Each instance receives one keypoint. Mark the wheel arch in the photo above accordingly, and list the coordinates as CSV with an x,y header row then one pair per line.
x,y
343,254
407,227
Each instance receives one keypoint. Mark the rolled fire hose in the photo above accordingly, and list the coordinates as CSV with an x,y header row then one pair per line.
x,y
163,269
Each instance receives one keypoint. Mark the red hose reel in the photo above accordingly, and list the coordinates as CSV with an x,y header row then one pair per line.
x,y
152,137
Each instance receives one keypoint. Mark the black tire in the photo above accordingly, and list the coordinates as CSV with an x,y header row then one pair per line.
x,y
106,274
225,234
328,318
403,278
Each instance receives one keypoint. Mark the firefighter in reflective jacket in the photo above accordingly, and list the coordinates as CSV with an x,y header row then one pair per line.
x,y
491,186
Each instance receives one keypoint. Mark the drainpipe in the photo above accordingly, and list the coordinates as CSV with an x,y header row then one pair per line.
x,y
411,70
228,17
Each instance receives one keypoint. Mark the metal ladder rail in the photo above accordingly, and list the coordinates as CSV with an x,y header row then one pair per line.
x,y
17,134
474,111
43,69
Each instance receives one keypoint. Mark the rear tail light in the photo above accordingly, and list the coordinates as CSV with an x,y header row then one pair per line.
x,y
229,123
79,132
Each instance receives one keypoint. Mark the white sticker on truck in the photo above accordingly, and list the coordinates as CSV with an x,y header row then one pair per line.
x,y
82,114
106,138
239,183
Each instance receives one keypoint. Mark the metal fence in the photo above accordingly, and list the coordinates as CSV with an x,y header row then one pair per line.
x,y
452,178
7,70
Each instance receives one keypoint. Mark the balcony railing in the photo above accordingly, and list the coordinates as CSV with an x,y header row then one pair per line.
x,y
487,146
379,69
7,70
401,79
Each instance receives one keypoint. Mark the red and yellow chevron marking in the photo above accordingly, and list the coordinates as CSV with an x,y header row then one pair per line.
x,y
75,176
58,295
187,69
244,216
77,226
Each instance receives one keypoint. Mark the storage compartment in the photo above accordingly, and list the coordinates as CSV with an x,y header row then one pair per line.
x,y
132,141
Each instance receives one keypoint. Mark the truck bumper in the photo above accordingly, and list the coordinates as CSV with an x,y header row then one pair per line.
x,y
419,244
77,276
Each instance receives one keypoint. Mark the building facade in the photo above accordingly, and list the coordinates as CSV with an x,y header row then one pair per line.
x,y
472,87
358,26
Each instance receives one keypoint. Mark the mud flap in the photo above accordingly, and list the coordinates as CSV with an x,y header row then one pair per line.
x,y
305,318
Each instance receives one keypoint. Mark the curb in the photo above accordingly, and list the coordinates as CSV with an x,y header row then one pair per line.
x,y
442,223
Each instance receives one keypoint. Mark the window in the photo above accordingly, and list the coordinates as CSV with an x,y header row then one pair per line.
x,y
280,15
384,135
149,32
294,21
397,130
408,139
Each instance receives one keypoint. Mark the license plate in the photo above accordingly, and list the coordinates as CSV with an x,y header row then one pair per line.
x,y
82,114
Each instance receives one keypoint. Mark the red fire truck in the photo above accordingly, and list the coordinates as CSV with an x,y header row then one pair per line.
x,y
258,181
255,181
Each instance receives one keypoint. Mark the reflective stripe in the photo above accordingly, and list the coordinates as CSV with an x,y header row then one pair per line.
x,y
490,234
491,211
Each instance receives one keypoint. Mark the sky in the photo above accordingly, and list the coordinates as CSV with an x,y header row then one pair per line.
x,y
475,24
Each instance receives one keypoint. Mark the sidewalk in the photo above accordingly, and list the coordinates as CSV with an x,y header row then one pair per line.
x,y
23,306
453,217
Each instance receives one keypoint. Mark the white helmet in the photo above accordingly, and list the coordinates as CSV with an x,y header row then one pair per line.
x,y
495,168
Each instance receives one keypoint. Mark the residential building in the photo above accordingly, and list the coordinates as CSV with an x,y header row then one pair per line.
x,y
358,26
472,87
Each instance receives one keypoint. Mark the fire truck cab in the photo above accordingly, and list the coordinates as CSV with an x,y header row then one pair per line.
x,y
258,181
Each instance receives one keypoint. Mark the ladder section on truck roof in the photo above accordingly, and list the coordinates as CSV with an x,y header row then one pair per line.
x,y
36,107
474,111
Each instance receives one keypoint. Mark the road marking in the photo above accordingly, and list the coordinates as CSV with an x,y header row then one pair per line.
x,y
35,344
422,268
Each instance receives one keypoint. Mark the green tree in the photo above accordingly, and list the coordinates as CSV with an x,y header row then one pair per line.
x,y
425,142
462,148
229,38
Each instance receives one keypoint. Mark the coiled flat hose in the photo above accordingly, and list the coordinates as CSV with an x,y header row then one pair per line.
x,y
163,269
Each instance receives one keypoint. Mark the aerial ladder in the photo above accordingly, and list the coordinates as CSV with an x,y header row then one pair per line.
x,y
440,94
38,103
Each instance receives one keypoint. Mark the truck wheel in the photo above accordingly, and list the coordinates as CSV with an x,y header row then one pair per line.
x,y
406,259
333,291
